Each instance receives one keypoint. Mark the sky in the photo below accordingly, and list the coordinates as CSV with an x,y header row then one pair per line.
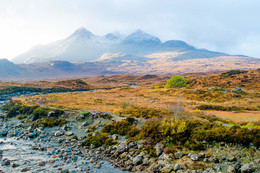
x,y
230,26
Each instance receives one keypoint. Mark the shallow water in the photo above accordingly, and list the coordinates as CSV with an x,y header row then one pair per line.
x,y
21,153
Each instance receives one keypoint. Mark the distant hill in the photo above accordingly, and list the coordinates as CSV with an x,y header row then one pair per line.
x,y
153,64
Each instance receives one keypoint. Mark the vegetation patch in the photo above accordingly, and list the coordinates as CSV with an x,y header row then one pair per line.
x,y
123,127
48,122
176,81
218,108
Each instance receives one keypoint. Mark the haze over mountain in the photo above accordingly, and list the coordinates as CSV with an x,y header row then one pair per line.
x,y
84,46
86,54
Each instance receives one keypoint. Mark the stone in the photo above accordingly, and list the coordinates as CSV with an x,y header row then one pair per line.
x,y
247,168
137,160
6,162
177,167
51,114
58,133
115,136
122,147
85,124
69,133
237,166
158,149
41,163
14,165
178,155
25,169
167,169
231,169
194,157
237,90
231,158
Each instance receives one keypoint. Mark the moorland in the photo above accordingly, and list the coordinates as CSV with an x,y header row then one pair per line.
x,y
154,123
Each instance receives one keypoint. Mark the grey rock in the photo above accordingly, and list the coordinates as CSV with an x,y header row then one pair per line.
x,y
6,162
237,166
178,155
115,136
122,147
237,89
177,167
158,149
58,133
51,114
247,168
69,133
137,160
231,169
85,124
194,157
167,169
231,158
206,160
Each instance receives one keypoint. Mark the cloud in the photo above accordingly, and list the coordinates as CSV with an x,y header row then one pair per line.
x,y
220,25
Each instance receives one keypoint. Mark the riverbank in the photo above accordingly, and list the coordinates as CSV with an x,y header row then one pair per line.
x,y
59,149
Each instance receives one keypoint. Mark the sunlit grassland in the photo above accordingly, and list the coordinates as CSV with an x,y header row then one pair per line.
x,y
119,101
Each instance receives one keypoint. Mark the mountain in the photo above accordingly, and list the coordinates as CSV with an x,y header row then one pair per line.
x,y
86,54
8,68
84,46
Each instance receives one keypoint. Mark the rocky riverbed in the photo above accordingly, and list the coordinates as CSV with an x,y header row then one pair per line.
x,y
23,149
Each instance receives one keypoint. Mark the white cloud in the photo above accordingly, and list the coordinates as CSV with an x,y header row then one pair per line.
x,y
222,25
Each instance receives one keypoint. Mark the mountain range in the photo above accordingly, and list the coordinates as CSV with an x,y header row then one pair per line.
x,y
84,53
84,46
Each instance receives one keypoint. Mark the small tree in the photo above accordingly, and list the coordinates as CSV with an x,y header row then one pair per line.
x,y
176,81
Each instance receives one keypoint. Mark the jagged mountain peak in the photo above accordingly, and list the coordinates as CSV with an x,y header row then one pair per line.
x,y
82,33
140,36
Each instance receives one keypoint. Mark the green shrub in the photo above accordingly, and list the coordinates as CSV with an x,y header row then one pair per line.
x,y
122,127
97,140
48,122
176,81
110,142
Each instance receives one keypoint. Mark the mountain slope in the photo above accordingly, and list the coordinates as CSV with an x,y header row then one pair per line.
x,y
82,45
